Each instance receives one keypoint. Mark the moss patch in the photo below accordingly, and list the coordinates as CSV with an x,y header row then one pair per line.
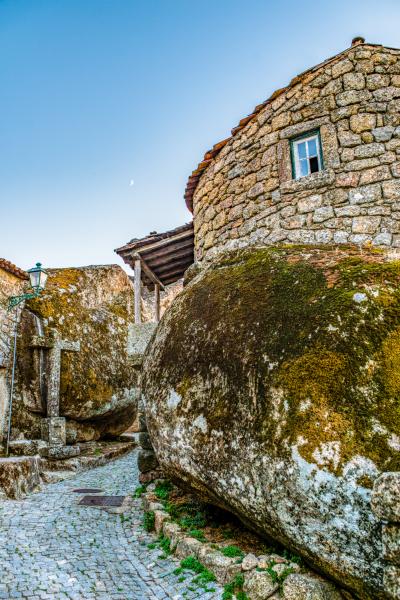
x,y
304,336
92,305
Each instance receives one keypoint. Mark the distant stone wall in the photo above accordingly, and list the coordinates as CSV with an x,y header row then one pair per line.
x,y
167,296
248,195
10,285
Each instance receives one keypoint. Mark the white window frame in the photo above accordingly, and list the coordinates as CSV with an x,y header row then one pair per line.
x,y
315,135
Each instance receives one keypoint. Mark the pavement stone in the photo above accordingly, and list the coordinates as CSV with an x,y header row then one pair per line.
x,y
53,549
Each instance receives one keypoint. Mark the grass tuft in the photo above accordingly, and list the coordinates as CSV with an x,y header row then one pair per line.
x,y
149,520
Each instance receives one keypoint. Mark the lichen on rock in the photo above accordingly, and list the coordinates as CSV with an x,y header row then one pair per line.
x,y
98,384
271,389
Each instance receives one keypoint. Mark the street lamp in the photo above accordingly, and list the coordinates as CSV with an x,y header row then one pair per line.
x,y
37,279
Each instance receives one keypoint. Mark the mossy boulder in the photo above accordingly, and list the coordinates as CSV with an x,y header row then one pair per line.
x,y
272,389
98,384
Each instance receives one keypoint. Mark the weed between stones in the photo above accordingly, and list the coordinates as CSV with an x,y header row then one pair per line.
x,y
232,552
140,490
163,490
192,516
235,587
149,520
197,534
204,576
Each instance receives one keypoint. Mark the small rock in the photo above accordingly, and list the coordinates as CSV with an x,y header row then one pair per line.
x,y
155,506
360,297
147,461
173,532
223,567
188,546
277,558
305,587
282,568
383,134
264,560
249,562
160,516
259,585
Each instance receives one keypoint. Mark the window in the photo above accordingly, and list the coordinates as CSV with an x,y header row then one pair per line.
x,y
306,154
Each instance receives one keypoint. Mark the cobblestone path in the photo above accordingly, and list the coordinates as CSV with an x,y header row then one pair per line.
x,y
53,549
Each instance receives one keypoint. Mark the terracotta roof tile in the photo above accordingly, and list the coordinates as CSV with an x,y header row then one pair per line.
x,y
8,266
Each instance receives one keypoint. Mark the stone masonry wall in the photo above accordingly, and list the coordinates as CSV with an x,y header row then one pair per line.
x,y
10,285
247,194
386,506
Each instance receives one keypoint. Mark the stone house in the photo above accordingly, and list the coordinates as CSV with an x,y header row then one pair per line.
x,y
316,163
233,370
12,280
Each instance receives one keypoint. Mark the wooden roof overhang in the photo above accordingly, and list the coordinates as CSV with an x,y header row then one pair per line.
x,y
164,256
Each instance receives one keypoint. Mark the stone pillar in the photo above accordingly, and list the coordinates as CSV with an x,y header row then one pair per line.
x,y
53,426
54,431
385,504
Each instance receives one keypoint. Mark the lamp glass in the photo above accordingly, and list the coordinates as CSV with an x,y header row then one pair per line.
x,y
37,276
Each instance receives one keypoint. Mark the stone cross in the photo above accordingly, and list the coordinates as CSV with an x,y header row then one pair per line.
x,y
55,346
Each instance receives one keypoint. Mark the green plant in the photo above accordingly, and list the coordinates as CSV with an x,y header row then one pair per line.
x,y
165,544
197,534
193,521
294,558
149,520
139,491
278,578
232,552
163,490
152,545
192,564
227,533
204,578
235,587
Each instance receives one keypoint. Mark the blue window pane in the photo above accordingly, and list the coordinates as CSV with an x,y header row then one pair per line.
x,y
303,167
301,148
312,147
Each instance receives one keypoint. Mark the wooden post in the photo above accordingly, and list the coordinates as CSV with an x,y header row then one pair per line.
x,y
138,291
156,302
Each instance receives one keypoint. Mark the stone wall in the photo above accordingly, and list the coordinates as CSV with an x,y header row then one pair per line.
x,y
386,506
10,285
247,194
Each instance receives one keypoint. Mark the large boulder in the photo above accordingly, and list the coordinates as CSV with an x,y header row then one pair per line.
x,y
98,384
272,388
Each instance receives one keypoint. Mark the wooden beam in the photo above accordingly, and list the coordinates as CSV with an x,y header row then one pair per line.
x,y
147,271
173,267
162,242
138,290
168,249
154,262
156,302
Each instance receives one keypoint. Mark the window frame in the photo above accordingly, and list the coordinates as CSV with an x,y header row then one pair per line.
x,y
314,133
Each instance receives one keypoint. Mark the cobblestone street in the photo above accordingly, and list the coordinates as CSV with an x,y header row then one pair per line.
x,y
51,548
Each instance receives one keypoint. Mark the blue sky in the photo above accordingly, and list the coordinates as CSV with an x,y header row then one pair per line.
x,y
106,106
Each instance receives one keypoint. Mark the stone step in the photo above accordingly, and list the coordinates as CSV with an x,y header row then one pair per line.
x,y
56,476
27,447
